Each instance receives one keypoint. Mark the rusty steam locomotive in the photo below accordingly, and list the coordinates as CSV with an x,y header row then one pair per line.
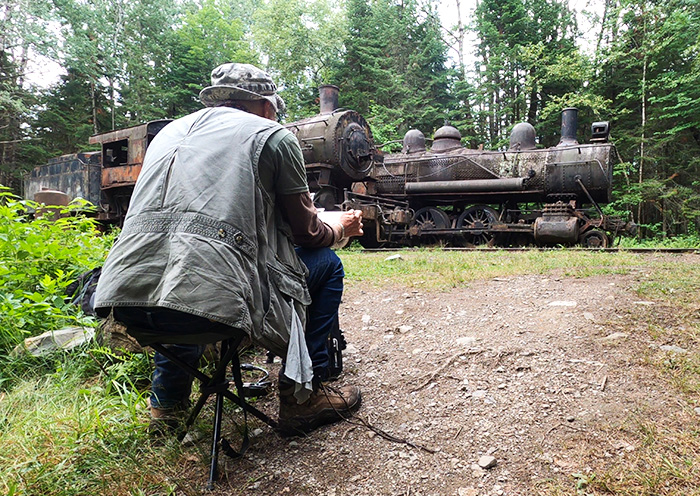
x,y
449,194
525,195
446,194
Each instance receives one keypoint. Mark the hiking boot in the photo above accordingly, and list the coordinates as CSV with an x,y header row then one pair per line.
x,y
327,404
166,421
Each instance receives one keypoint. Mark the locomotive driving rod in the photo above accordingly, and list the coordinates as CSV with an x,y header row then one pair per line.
x,y
476,185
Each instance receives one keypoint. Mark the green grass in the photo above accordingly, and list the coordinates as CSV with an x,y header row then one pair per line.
x,y
72,432
440,270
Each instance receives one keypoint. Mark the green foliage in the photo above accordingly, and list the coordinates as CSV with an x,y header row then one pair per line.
x,y
525,51
38,259
65,123
24,33
127,62
301,42
67,434
145,30
384,130
209,35
650,74
395,63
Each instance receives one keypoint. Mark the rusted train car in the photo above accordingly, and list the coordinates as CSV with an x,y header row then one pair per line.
x,y
105,178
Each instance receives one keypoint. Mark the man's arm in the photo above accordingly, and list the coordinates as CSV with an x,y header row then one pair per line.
x,y
307,229
294,200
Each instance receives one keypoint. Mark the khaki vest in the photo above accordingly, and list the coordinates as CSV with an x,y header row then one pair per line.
x,y
203,237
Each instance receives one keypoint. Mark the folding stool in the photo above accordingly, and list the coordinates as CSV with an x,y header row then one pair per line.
x,y
215,384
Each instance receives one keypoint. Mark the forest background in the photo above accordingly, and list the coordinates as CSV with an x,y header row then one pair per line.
x,y
125,62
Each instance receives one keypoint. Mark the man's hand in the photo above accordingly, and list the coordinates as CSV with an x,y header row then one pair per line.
x,y
351,221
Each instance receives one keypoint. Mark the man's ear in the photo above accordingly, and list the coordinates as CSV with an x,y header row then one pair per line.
x,y
270,112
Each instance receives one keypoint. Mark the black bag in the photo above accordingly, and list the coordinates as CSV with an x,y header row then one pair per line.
x,y
82,291
336,344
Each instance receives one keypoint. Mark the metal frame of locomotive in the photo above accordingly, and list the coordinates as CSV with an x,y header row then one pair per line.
x,y
453,195
123,152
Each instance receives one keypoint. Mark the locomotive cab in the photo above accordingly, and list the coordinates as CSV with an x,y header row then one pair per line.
x,y
123,152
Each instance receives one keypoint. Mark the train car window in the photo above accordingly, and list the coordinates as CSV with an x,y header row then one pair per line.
x,y
116,153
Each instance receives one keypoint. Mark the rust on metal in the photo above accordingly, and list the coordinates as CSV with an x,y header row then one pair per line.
x,y
124,175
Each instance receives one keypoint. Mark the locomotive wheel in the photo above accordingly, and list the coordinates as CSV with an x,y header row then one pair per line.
x,y
481,218
369,239
428,219
595,238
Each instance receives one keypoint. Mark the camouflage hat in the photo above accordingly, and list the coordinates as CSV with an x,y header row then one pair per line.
x,y
234,81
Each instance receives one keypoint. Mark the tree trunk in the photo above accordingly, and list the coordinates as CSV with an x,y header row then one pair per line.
x,y
93,98
460,41
603,23
644,122
534,101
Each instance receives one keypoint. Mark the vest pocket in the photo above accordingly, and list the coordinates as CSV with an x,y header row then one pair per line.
x,y
288,291
288,281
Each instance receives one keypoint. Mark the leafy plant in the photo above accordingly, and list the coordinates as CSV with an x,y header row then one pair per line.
x,y
41,252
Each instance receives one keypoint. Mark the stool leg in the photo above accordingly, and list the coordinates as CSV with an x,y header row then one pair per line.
x,y
218,414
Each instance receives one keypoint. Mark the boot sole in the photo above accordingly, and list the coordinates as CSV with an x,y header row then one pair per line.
x,y
299,426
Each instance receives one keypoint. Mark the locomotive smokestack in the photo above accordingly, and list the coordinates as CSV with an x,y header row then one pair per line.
x,y
328,97
569,126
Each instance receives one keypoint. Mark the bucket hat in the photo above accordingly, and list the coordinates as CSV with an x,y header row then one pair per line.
x,y
233,81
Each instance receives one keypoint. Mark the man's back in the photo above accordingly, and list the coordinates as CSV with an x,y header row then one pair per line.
x,y
195,236
194,162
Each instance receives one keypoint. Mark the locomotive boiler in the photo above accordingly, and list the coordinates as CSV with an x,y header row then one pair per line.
x,y
338,149
453,195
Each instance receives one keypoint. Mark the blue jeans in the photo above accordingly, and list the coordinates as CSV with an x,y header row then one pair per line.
x,y
171,386
325,282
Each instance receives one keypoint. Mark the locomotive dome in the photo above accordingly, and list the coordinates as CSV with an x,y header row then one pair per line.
x,y
522,137
446,138
413,142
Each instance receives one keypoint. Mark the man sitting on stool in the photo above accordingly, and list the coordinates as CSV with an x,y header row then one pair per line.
x,y
209,241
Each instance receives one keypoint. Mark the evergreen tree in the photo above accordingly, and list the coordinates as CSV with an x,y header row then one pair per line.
x,y
23,34
64,125
146,35
395,66
300,42
518,40
209,35
650,73
94,50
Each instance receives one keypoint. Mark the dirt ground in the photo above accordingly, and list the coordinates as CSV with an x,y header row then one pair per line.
x,y
497,388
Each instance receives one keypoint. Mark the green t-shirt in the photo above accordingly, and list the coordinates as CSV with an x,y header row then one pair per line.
x,y
281,165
